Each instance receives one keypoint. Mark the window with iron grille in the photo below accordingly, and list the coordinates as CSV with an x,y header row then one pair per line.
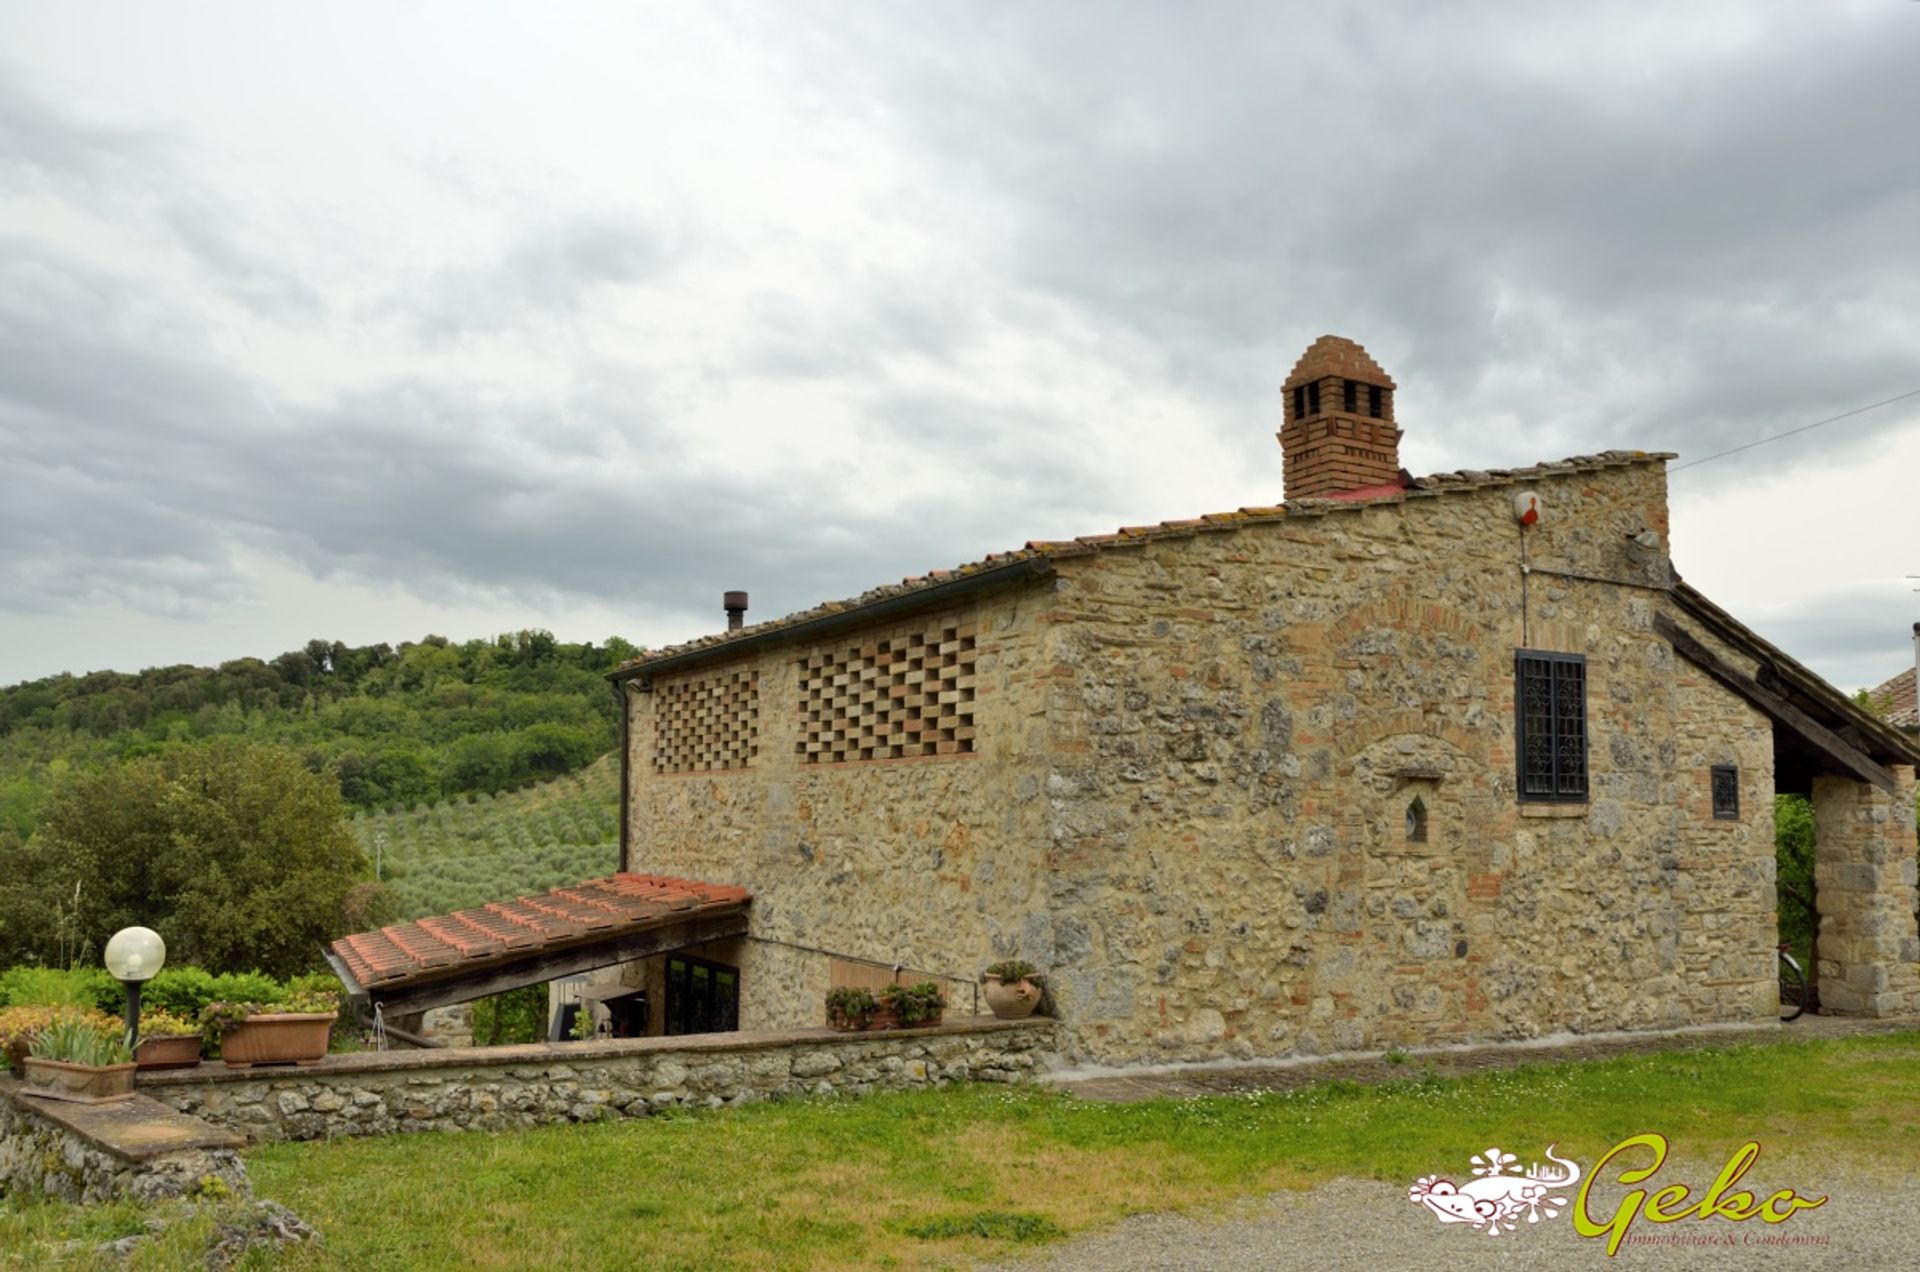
x,y
1550,695
1726,792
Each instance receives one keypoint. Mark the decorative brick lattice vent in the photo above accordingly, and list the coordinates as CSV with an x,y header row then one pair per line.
x,y
705,724
908,694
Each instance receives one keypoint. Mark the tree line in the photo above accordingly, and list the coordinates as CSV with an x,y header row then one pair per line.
x,y
400,726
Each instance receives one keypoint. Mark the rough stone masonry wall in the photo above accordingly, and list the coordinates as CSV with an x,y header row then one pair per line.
x,y
41,1158
496,1088
1237,723
933,862
1864,877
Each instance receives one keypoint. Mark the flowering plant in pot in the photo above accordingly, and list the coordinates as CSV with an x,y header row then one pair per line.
x,y
909,1006
167,1041
293,1030
850,1009
76,1059
1012,988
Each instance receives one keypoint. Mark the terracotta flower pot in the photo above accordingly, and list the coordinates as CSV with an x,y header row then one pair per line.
x,y
884,1018
81,1083
279,1038
837,1019
168,1051
1011,1002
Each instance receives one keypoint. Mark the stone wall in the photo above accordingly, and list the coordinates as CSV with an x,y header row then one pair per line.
x,y
1237,728
1864,877
497,1088
932,862
90,1154
1195,761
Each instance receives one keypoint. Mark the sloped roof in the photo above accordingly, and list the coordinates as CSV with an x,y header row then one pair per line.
x,y
1804,687
1038,554
506,931
1894,699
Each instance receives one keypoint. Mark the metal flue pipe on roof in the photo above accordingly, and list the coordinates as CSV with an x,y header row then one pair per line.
x,y
735,604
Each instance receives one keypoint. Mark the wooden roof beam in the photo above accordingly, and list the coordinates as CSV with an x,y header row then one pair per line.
x,y
1814,736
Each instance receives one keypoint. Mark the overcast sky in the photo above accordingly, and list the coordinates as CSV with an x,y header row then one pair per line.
x,y
369,322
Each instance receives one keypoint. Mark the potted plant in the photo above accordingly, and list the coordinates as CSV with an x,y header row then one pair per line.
x,y
19,1026
850,1009
909,1006
1012,988
75,1059
166,1042
295,1030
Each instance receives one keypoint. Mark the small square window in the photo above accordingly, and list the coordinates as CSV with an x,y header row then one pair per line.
x,y
1726,792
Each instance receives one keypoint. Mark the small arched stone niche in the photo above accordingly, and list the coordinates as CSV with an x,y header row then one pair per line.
x,y
1416,820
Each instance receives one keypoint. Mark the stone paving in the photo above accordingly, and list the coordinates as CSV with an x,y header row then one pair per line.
x,y
1449,1062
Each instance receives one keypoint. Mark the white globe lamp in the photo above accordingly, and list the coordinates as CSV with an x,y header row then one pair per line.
x,y
135,956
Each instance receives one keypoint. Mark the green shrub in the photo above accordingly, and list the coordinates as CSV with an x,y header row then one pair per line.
x,y
179,991
519,1015
185,991
58,987
247,987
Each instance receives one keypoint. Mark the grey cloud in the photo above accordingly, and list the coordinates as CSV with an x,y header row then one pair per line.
x,y
1646,253
135,470
547,267
143,181
1858,636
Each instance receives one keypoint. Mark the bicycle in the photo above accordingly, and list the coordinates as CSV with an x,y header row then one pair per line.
x,y
1793,986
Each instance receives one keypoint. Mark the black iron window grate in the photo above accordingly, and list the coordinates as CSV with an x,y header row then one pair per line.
x,y
1550,693
1726,792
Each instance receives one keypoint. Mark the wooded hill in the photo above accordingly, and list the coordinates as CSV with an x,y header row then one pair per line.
x,y
403,727
473,849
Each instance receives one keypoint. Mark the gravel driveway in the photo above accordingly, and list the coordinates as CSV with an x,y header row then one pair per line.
x,y
1362,1226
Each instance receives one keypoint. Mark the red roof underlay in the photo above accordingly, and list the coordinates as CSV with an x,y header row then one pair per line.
x,y
596,909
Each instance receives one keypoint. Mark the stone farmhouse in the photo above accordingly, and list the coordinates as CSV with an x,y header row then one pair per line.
x,y
1399,761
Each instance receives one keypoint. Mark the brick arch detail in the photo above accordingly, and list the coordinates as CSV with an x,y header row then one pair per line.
x,y
1405,613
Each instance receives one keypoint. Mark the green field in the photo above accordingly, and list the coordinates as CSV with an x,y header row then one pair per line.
x,y
458,854
941,1178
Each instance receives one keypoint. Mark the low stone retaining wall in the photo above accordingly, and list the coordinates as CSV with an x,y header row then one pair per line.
x,y
134,1149
494,1088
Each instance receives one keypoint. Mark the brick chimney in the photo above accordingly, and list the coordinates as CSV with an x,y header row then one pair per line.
x,y
1338,435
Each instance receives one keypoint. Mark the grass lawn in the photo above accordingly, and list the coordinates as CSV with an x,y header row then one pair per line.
x,y
938,1178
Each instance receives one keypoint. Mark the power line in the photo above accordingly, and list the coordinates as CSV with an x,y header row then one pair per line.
x,y
1803,428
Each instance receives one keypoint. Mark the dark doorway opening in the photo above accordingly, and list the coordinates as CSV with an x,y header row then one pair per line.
x,y
702,997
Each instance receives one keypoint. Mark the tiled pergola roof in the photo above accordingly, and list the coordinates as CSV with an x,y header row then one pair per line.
x,y
598,910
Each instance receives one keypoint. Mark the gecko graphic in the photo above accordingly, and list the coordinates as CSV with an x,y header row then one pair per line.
x,y
1503,1193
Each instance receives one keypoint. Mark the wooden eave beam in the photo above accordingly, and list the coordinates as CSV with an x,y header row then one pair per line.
x,y
1816,737
538,967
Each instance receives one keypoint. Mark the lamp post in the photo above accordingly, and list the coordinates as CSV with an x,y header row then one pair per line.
x,y
135,956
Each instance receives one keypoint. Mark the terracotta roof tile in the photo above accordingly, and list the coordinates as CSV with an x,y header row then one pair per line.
x,y
432,946
1126,536
1895,701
